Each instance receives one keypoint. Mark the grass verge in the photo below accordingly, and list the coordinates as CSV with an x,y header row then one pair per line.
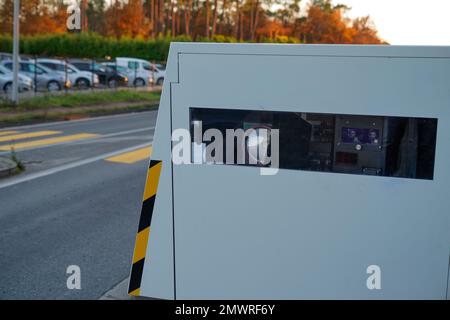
x,y
31,118
71,100
76,105
20,165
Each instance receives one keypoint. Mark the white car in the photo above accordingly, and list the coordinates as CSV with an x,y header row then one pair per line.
x,y
78,78
6,81
140,65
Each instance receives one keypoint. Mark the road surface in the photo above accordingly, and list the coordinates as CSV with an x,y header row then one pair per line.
x,y
77,203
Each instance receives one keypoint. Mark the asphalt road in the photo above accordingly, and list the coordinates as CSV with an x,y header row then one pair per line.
x,y
77,203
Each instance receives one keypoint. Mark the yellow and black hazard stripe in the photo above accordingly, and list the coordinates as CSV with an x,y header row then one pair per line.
x,y
140,248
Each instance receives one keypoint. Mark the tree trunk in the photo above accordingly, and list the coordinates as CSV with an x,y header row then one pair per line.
x,y
173,19
84,20
207,24
215,12
155,17
241,26
187,17
152,16
222,15
254,20
178,21
238,20
161,15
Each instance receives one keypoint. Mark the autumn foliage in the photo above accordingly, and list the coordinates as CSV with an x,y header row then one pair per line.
x,y
310,21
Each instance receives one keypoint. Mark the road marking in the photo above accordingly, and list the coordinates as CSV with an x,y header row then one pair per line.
x,y
100,137
2,133
49,141
28,135
132,156
68,166
120,133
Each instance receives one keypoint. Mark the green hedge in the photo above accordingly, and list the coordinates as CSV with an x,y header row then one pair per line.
x,y
96,46
90,46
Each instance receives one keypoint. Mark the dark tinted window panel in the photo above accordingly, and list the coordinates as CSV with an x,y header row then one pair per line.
x,y
82,66
353,144
49,65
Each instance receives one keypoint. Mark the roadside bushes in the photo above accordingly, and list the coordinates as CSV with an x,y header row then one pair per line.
x,y
91,45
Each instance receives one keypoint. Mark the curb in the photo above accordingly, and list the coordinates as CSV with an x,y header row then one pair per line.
x,y
74,114
120,292
7,167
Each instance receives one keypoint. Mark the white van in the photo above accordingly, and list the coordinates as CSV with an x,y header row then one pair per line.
x,y
144,66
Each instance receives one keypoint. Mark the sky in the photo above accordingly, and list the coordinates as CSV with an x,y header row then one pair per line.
x,y
405,22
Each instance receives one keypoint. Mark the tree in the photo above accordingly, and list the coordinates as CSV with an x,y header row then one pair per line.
x,y
6,18
208,14
364,31
96,16
84,17
323,21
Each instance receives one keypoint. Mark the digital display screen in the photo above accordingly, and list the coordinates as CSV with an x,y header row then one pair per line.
x,y
359,135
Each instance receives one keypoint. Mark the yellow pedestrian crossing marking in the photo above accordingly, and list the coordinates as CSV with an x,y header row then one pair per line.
x,y
132,156
27,135
3,133
49,141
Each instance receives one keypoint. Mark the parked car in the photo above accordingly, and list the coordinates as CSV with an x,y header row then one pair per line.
x,y
8,56
143,66
6,81
107,77
161,66
79,79
42,77
5,56
134,77
160,73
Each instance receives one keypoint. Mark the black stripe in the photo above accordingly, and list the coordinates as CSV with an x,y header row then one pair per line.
x,y
146,213
136,275
153,163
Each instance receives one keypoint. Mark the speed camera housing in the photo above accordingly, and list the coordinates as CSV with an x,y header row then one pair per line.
x,y
363,176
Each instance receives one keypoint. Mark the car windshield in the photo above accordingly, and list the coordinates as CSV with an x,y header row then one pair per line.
x,y
4,70
44,69
70,70
148,66
115,68
98,67
122,69
71,66
33,68
57,66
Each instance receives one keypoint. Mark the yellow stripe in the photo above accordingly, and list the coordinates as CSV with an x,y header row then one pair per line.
x,y
3,133
28,135
152,181
132,157
135,293
141,244
49,141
